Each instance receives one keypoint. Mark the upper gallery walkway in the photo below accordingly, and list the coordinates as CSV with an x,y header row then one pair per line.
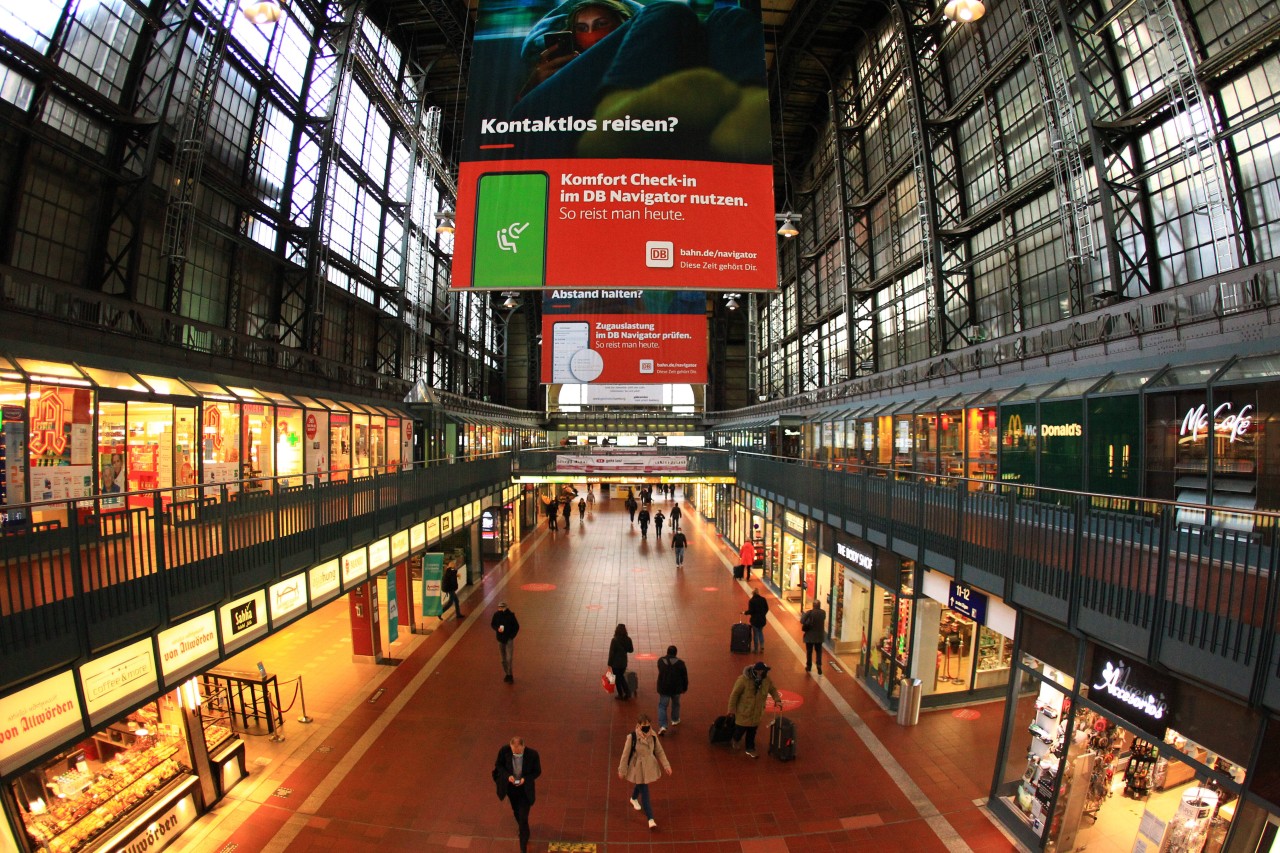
x,y
399,757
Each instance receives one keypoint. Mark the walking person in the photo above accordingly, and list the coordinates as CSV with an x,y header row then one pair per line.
x,y
675,517
757,614
582,508
631,506
814,624
591,500
515,772
678,544
643,518
567,509
553,513
746,704
505,626
643,761
449,586
673,682
658,519
619,647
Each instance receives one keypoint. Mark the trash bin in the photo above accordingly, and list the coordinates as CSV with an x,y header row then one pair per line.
x,y
909,693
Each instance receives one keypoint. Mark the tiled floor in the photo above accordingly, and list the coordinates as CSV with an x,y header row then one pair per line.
x,y
408,768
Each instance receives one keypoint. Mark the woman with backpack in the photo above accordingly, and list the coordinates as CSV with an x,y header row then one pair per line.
x,y
643,761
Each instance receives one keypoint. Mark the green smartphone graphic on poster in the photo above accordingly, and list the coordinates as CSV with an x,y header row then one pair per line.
x,y
511,230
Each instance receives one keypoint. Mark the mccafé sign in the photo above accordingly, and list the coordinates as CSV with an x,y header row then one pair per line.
x,y
1196,423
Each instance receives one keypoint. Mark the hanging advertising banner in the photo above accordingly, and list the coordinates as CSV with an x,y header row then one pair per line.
x,y
624,336
581,135
393,610
432,571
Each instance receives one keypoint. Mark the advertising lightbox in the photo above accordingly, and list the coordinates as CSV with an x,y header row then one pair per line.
x,y
581,138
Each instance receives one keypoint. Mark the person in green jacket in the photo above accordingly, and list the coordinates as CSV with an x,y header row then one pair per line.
x,y
746,703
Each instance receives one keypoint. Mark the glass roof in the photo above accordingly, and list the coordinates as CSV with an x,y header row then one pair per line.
x,y
116,379
1071,388
1125,382
1028,393
1185,375
1252,369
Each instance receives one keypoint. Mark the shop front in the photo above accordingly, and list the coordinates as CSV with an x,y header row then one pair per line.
x,y
891,615
973,633
852,572
1124,757
795,576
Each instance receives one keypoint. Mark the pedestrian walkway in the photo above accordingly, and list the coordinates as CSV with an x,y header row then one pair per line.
x,y
398,757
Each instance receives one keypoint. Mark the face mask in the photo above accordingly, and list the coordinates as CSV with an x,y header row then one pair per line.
x,y
585,40
644,729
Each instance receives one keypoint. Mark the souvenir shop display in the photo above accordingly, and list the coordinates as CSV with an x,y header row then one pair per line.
x,y
1139,776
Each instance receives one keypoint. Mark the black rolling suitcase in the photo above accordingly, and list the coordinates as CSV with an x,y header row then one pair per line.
x,y
722,729
740,639
782,738
739,572
633,682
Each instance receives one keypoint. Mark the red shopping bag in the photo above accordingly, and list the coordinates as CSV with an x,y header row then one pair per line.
x,y
607,682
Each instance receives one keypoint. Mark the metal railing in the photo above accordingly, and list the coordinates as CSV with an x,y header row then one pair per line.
x,y
1184,585
79,576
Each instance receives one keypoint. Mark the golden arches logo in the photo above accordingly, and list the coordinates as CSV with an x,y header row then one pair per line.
x,y
1013,430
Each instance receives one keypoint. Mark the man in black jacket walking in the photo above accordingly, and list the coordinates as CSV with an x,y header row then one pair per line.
x,y
757,613
449,586
505,627
515,772
673,682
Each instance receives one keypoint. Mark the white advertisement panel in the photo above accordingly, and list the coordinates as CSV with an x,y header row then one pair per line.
x,y
187,646
399,546
35,719
287,600
355,567
324,581
623,395
379,554
119,680
418,536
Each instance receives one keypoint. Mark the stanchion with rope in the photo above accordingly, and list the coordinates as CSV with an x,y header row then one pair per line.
x,y
276,737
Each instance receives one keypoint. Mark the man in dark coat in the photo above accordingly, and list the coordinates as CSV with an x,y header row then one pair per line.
x,y
505,627
449,586
673,682
515,772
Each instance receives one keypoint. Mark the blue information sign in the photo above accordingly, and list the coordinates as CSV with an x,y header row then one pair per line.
x,y
967,601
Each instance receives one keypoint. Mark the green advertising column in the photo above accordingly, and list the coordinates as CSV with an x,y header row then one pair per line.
x,y
432,570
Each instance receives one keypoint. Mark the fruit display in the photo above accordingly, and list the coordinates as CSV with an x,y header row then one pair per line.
x,y
121,786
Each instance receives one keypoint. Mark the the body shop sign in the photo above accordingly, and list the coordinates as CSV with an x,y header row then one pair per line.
x,y
119,680
38,718
243,620
188,646
856,557
1132,691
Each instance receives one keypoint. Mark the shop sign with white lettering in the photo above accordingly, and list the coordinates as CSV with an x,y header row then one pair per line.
x,y
38,718
1132,691
862,560
243,620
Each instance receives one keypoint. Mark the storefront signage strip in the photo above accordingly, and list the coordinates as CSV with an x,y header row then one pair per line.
x,y
1115,683
115,677
34,718
857,558
1231,426
185,644
324,581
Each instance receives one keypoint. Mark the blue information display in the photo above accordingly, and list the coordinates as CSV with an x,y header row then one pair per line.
x,y
966,601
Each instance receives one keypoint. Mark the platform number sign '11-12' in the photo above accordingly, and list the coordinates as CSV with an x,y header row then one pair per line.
x,y
585,163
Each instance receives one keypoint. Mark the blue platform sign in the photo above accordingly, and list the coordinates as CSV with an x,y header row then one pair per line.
x,y
966,601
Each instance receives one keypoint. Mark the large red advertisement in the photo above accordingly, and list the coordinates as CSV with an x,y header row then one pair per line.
x,y
611,143
636,337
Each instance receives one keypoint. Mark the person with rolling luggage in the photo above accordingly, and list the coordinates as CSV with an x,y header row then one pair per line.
x,y
740,639
619,647
747,701
757,614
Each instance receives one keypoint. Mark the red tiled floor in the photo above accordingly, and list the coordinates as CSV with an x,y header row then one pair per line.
x,y
410,771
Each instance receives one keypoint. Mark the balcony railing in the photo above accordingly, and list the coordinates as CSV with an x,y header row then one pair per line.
x,y
1188,586
81,576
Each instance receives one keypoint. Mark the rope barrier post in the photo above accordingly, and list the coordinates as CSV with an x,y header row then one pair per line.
x,y
274,713
302,695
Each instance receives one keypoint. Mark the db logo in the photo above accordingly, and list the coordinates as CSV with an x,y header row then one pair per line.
x,y
659,253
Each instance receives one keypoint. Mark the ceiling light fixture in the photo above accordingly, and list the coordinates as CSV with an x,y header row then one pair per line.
x,y
444,221
964,11
788,228
262,13
731,301
512,302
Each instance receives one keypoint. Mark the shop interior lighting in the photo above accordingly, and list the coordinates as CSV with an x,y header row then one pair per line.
x,y
788,227
262,13
964,11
